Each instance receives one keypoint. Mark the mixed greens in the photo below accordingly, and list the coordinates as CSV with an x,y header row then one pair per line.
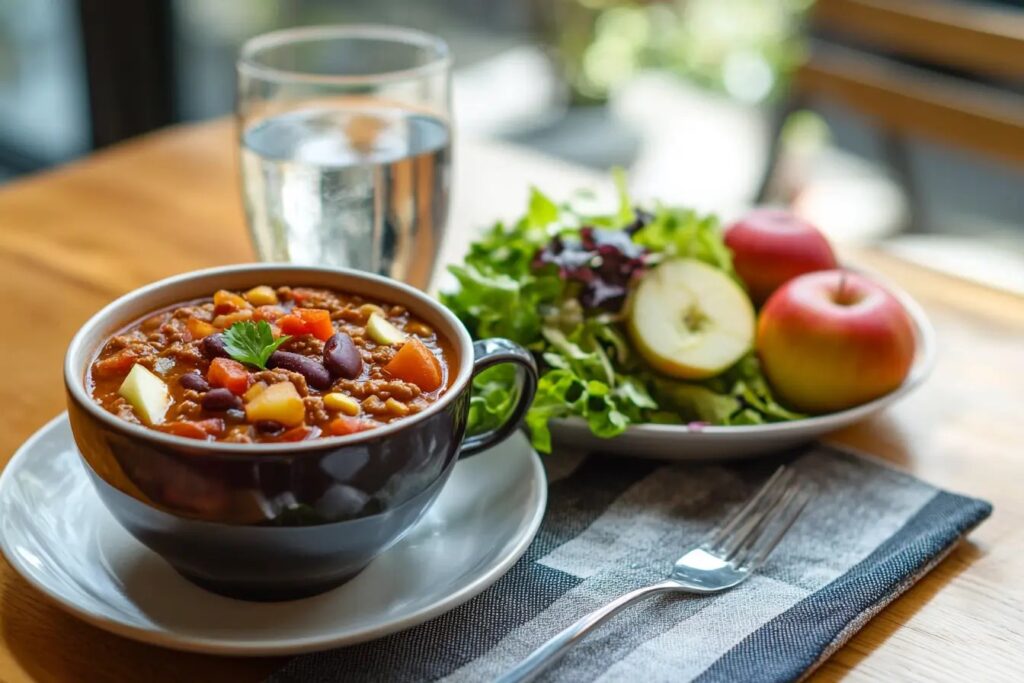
x,y
557,282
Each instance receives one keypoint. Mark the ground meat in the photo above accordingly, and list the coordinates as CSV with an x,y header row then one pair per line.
x,y
174,330
279,375
189,410
192,395
134,340
349,315
382,389
315,411
187,352
305,344
374,406
239,434
353,387
403,391
382,355
154,322
317,298
203,312
124,410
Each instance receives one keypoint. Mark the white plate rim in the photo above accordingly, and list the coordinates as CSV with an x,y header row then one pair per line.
x,y
185,643
924,361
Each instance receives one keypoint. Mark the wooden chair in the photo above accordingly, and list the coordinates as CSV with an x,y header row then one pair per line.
x,y
944,70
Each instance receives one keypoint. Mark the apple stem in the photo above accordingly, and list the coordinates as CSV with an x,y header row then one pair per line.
x,y
841,292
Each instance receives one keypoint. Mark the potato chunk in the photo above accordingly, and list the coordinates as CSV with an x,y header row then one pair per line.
x,y
147,393
278,402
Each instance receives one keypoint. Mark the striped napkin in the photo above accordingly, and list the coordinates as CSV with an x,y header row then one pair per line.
x,y
615,524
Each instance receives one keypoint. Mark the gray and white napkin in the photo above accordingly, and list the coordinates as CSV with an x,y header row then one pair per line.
x,y
615,524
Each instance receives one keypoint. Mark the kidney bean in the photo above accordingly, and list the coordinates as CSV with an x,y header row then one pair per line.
x,y
316,374
269,427
220,399
341,357
213,346
194,381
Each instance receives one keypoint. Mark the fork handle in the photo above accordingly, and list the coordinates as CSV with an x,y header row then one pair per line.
x,y
553,650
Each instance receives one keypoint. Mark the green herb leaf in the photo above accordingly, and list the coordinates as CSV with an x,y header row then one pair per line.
x,y
252,343
543,211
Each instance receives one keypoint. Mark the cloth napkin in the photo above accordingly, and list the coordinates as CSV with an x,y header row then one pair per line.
x,y
615,524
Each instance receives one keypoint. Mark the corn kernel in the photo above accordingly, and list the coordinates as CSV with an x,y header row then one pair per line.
x,y
261,296
342,403
396,407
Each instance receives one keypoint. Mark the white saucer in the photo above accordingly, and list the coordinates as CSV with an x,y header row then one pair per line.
x,y
56,533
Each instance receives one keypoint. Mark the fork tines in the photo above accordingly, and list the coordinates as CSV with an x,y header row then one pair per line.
x,y
747,537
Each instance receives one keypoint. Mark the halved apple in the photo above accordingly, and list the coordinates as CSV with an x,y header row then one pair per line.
x,y
690,320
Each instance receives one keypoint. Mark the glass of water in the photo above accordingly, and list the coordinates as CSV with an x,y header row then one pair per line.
x,y
346,147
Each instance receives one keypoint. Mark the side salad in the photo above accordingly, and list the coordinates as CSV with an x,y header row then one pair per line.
x,y
559,282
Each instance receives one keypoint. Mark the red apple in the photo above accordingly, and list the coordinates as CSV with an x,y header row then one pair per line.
x,y
772,246
832,340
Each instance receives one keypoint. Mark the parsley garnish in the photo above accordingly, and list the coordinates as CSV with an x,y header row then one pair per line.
x,y
252,343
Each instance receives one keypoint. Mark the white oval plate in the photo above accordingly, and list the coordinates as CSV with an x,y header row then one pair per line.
x,y
679,442
58,535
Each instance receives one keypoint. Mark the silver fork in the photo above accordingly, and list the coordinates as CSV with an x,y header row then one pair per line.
x,y
723,560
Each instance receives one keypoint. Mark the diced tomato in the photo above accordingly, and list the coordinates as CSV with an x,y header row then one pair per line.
x,y
189,430
414,363
229,374
199,328
293,325
318,321
213,426
227,302
118,364
270,313
199,429
343,424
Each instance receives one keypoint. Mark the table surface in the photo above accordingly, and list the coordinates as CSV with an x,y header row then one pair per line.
x,y
75,238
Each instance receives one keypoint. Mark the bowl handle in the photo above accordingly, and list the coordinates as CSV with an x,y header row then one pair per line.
x,y
489,352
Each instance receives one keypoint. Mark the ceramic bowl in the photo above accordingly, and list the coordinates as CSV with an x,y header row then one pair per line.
x,y
282,520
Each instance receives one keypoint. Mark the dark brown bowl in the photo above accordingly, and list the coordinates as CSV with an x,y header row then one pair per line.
x,y
279,521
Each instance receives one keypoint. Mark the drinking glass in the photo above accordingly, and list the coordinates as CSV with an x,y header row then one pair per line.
x,y
346,147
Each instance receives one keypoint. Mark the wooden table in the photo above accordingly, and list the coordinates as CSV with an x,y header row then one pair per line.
x,y
75,238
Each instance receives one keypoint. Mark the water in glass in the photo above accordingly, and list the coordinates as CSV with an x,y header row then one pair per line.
x,y
362,188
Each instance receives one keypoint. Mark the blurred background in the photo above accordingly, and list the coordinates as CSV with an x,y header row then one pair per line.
x,y
896,122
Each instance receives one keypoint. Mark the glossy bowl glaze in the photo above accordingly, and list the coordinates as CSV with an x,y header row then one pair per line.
x,y
277,521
